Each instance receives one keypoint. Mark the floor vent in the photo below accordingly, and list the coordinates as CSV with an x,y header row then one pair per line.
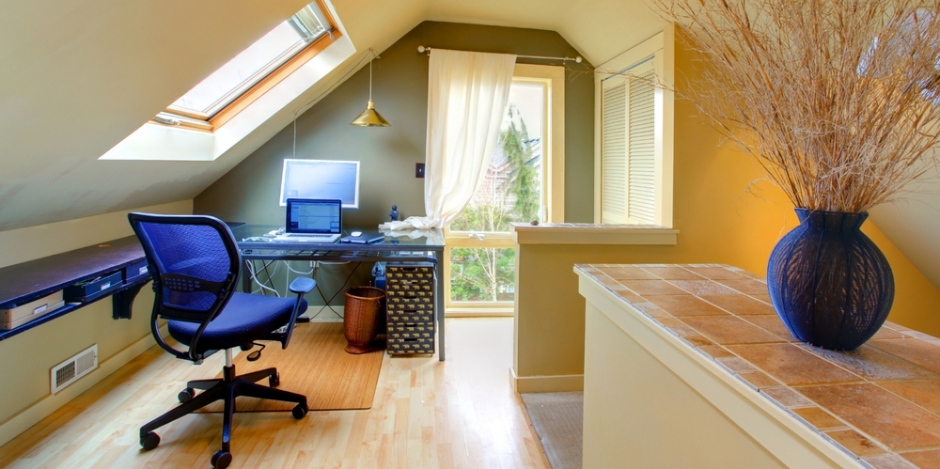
x,y
74,368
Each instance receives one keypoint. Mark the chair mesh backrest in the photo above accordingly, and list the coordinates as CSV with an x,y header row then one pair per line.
x,y
192,250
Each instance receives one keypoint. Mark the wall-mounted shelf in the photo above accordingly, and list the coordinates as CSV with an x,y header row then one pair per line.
x,y
22,283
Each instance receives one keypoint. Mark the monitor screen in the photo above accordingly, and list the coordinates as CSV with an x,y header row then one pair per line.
x,y
313,216
321,179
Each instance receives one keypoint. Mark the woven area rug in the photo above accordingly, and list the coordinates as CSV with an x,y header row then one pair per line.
x,y
558,418
315,365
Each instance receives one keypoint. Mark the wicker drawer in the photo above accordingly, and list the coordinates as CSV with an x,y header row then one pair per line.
x,y
410,327
410,293
410,286
401,346
414,317
410,302
412,335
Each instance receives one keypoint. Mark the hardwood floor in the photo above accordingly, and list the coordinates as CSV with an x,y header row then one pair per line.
x,y
461,413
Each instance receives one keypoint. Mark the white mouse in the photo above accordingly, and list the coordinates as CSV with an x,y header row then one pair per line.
x,y
355,233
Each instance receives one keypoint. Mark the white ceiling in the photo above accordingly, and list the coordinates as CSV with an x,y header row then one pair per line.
x,y
77,77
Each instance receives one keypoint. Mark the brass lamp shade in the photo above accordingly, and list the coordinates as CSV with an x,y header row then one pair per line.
x,y
370,118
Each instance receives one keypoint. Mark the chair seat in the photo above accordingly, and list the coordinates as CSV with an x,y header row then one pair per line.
x,y
244,319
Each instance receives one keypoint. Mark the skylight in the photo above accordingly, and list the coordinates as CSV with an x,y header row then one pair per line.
x,y
253,64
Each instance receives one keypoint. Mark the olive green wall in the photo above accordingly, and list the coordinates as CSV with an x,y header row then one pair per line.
x,y
249,192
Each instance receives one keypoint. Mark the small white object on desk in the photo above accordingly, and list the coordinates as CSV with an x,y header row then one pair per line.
x,y
355,233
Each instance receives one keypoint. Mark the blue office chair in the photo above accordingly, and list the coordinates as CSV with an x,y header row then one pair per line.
x,y
195,263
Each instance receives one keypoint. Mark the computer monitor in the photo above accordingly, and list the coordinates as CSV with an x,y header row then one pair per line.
x,y
321,179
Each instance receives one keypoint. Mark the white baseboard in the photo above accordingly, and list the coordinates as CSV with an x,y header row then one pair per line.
x,y
49,404
551,383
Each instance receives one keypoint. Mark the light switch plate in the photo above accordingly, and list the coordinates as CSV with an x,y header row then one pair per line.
x,y
419,170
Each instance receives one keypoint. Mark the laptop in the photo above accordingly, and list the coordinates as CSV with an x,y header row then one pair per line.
x,y
312,221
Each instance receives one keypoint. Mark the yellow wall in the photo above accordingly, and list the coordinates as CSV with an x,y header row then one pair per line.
x,y
25,386
724,213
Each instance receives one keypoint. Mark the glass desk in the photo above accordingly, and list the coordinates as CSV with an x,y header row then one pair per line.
x,y
405,246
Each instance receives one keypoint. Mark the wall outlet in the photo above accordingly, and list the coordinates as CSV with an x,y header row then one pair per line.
x,y
419,170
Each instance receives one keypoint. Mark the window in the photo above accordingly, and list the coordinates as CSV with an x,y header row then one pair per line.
x,y
214,100
634,162
525,182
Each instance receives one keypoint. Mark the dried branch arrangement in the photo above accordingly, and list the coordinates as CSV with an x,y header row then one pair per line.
x,y
837,99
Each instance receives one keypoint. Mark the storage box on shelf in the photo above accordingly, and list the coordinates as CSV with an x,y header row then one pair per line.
x,y
410,308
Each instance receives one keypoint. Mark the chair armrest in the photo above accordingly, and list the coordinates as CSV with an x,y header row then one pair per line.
x,y
302,285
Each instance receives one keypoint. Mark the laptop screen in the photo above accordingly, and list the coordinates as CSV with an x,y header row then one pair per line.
x,y
314,216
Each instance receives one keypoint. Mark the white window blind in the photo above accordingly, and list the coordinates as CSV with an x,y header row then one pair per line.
x,y
642,151
614,152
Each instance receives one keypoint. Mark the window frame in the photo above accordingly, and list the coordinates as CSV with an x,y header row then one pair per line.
x,y
553,189
660,49
204,122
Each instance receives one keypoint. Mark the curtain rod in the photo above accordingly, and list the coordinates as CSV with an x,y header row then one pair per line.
x,y
422,50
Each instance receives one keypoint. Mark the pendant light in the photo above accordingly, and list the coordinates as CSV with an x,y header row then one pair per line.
x,y
370,117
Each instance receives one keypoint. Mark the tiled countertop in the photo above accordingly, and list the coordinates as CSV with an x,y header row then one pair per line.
x,y
880,402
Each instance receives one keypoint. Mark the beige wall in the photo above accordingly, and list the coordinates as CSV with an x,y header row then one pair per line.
x,y
724,213
31,354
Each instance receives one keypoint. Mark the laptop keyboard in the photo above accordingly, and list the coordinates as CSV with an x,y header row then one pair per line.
x,y
308,235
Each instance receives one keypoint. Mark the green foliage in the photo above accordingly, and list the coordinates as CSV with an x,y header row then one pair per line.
x,y
482,274
524,181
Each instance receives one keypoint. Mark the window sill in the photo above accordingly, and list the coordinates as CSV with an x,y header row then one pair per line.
x,y
590,233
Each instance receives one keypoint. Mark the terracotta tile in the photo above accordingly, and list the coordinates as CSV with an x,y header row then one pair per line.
x,y
653,287
895,326
888,461
792,365
885,333
924,459
670,322
855,442
629,273
897,423
759,380
627,294
740,305
685,305
716,273
786,396
915,351
673,273
652,310
749,286
607,281
818,418
703,287
872,364
761,297
690,335
923,393
773,324
735,364
725,330
715,351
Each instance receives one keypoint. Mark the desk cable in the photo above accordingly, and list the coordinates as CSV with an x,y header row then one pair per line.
x,y
341,289
254,277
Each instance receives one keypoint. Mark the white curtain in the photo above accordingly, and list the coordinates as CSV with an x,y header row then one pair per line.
x,y
467,97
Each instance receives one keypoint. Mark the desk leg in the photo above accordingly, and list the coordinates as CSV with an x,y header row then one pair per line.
x,y
439,306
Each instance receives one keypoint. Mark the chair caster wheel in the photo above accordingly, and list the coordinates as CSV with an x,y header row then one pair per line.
x,y
299,411
221,459
149,441
186,395
274,380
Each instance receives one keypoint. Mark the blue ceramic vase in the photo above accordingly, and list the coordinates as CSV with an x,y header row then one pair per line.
x,y
828,282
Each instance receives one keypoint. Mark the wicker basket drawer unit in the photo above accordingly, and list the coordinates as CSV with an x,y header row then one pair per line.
x,y
410,288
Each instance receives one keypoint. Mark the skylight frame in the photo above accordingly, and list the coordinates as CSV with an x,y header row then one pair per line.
x,y
273,73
